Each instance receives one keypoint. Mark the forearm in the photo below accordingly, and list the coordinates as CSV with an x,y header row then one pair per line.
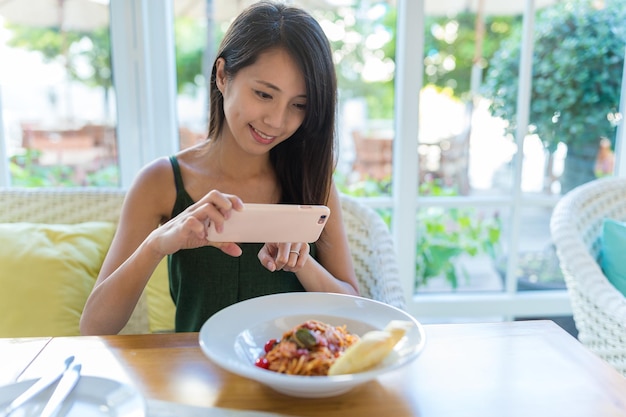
x,y
315,278
115,296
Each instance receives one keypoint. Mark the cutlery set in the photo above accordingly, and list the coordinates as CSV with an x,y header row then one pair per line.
x,y
67,378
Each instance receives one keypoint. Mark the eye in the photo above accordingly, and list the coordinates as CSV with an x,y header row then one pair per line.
x,y
300,106
262,94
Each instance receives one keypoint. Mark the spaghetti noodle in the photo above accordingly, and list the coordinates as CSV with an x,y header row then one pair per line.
x,y
308,349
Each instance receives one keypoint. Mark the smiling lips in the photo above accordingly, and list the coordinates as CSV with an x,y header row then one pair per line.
x,y
260,137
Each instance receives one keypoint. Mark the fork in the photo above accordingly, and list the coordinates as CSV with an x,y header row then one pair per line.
x,y
43,383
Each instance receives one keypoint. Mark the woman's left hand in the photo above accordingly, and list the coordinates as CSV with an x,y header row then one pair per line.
x,y
286,256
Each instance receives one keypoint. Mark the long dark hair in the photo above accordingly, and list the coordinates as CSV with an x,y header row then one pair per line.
x,y
305,162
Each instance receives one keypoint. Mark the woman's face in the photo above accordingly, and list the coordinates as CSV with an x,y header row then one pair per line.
x,y
264,103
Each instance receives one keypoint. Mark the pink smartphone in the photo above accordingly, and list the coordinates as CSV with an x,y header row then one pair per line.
x,y
260,223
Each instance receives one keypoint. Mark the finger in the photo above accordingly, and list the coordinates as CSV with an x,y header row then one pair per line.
x,y
182,232
191,224
294,256
215,207
286,256
303,255
209,215
266,258
224,203
229,248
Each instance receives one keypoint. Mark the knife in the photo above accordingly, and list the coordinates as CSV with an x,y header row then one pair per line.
x,y
43,383
63,389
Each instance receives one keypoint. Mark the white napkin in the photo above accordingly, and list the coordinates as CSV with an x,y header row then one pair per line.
x,y
157,408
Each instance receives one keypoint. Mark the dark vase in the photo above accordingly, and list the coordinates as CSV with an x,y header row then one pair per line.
x,y
578,167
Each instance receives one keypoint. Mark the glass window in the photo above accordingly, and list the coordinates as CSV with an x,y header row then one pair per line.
x,y
58,101
474,144
362,35
498,138
486,184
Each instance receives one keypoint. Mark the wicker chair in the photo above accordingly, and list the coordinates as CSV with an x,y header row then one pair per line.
x,y
576,225
60,205
373,253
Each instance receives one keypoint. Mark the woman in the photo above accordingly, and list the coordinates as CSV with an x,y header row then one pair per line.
x,y
271,140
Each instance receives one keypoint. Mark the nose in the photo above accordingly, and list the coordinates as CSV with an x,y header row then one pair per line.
x,y
276,116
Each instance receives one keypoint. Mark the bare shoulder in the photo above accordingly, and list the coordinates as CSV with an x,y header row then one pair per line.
x,y
153,192
156,171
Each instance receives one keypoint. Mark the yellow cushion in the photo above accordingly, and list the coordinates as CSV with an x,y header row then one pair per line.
x,y
47,274
48,271
161,308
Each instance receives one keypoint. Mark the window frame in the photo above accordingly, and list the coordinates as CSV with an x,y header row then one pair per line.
x,y
142,51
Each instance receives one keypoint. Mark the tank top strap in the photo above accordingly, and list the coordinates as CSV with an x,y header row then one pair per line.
x,y
178,178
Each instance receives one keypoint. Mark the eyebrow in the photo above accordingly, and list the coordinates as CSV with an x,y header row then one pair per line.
x,y
275,88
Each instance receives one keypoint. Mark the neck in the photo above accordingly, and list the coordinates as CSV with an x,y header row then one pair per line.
x,y
233,163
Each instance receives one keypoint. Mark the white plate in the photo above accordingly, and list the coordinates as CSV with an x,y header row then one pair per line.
x,y
234,337
92,397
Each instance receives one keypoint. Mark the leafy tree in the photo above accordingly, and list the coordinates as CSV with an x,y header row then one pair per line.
x,y
447,39
450,46
92,50
578,59
87,54
351,52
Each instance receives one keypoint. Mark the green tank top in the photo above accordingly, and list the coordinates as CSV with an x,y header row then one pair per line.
x,y
205,280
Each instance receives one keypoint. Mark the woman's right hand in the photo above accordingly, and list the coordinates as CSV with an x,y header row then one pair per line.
x,y
188,230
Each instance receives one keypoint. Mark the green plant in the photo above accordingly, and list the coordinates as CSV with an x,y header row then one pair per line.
x,y
108,176
27,171
366,188
578,60
443,235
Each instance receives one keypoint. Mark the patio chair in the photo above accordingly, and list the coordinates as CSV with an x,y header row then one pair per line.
x,y
599,308
373,253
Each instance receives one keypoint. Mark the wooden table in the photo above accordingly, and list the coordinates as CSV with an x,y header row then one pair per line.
x,y
528,368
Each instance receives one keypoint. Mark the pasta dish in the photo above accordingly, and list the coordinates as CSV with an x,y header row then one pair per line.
x,y
308,349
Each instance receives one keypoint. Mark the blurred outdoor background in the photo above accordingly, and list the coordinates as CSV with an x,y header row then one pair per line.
x,y
488,170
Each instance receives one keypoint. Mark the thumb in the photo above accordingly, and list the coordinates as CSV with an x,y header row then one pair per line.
x,y
229,248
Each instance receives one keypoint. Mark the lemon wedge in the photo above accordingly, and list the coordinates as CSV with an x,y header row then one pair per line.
x,y
371,349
